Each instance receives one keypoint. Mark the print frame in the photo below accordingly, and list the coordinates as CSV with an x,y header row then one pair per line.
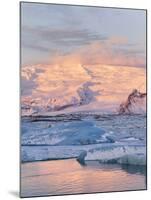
x,y
21,95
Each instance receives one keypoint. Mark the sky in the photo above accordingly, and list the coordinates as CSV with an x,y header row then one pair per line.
x,y
110,36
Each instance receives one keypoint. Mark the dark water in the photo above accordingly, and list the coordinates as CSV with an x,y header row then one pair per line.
x,y
69,177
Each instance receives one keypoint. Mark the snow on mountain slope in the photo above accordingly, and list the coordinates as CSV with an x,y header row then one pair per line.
x,y
49,88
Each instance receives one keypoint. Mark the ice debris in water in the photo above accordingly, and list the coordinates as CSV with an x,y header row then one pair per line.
x,y
72,133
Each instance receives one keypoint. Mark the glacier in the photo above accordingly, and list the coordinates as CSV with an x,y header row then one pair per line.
x,y
80,88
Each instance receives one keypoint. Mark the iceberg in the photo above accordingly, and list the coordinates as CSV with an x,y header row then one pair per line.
x,y
129,155
71,133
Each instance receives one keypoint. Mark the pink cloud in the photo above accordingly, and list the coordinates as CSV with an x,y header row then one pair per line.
x,y
102,53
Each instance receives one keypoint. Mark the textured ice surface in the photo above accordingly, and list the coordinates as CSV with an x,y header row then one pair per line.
x,y
107,137
70,133
135,154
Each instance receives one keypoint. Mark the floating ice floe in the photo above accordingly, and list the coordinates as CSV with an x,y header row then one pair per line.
x,y
72,133
130,155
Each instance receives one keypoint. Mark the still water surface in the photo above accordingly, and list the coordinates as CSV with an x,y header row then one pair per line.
x,y
69,177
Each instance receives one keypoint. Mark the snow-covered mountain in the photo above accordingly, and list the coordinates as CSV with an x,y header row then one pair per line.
x,y
49,88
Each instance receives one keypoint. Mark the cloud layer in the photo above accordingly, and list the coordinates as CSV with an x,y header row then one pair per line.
x,y
102,53
49,30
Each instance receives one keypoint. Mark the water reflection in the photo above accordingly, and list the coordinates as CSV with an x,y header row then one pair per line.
x,y
69,177
134,169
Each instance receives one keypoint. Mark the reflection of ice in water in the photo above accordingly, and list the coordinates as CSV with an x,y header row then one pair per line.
x,y
69,177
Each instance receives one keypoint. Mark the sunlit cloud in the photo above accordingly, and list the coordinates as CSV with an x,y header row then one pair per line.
x,y
101,53
50,29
